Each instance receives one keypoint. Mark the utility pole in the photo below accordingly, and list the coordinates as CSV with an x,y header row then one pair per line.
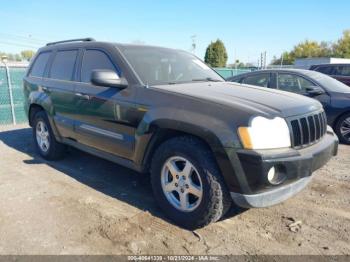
x,y
194,45
282,56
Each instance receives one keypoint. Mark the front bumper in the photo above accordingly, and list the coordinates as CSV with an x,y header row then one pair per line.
x,y
298,166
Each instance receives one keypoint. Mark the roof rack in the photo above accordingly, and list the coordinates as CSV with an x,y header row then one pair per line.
x,y
88,39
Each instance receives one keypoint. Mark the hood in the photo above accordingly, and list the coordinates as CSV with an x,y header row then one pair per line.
x,y
259,99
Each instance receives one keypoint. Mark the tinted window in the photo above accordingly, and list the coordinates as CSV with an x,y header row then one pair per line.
x,y
344,70
257,80
40,64
63,65
325,70
293,83
94,59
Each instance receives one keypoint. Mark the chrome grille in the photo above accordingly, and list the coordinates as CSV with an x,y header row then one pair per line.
x,y
307,130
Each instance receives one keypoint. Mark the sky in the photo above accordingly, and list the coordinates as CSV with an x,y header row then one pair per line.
x,y
247,28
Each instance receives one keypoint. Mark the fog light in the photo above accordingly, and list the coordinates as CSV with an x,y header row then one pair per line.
x,y
276,175
271,174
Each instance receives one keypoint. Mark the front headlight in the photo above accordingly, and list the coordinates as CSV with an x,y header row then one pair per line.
x,y
265,133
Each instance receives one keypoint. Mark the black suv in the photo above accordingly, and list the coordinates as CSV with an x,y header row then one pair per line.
x,y
205,141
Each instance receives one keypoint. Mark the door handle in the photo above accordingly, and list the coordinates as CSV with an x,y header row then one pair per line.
x,y
83,96
45,89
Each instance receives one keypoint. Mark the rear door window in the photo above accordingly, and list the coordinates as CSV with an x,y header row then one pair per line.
x,y
257,80
63,65
92,60
293,83
39,65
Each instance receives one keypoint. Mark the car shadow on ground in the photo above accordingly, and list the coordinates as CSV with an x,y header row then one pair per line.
x,y
102,175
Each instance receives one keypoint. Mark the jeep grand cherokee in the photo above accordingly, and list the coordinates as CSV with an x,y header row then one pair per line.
x,y
207,143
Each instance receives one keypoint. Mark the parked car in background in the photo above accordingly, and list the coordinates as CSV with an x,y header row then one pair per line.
x,y
340,72
334,95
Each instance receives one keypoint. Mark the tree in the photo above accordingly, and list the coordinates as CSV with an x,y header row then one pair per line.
x,y
342,46
307,49
27,54
216,55
286,59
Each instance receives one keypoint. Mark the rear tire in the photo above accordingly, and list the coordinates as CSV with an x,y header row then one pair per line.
x,y
195,177
44,139
342,129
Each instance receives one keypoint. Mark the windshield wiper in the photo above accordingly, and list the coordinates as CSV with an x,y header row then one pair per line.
x,y
207,79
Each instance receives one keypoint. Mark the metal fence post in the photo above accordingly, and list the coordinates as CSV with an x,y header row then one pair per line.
x,y
10,93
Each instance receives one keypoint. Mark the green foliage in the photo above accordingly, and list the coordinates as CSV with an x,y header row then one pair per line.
x,y
27,54
342,46
305,49
286,59
216,55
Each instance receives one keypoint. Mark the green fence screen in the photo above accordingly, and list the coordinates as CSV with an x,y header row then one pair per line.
x,y
228,72
16,76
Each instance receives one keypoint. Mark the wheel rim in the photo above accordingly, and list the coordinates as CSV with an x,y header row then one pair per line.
x,y
42,136
345,129
181,184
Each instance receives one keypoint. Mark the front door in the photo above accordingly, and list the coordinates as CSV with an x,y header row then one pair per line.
x,y
104,114
299,85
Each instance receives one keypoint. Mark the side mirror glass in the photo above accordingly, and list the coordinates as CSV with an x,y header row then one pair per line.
x,y
108,78
314,91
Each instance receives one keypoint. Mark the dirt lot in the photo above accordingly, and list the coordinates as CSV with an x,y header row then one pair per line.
x,y
86,205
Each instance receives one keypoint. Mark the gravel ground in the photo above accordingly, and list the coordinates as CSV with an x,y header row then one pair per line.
x,y
86,205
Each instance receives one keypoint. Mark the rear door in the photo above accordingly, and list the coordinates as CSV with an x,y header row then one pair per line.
x,y
103,113
59,84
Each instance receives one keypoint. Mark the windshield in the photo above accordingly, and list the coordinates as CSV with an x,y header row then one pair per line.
x,y
330,83
157,66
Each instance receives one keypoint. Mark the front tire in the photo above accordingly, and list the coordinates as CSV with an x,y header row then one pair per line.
x,y
342,129
44,139
187,183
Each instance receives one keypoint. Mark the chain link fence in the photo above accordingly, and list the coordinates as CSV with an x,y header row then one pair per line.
x,y
11,95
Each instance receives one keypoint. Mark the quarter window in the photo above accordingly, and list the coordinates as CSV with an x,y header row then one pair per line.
x,y
257,80
92,60
293,83
40,64
63,65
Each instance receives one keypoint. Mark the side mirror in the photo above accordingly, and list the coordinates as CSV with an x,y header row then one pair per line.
x,y
108,78
314,91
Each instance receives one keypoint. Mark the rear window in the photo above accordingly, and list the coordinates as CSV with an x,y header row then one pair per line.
x,y
39,65
63,65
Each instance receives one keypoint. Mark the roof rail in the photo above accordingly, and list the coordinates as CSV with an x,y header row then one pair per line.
x,y
88,39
